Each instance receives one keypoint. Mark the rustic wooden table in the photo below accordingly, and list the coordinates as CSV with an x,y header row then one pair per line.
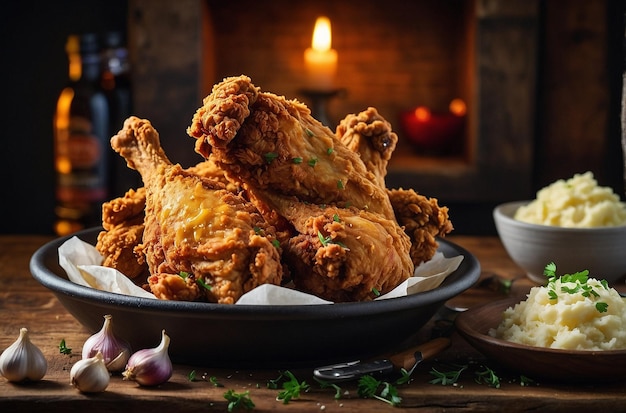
x,y
25,303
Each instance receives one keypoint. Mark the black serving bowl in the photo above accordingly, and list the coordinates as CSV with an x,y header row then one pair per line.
x,y
219,335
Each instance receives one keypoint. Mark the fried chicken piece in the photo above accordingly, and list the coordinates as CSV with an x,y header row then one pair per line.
x,y
295,168
370,135
423,220
201,241
275,145
122,220
344,254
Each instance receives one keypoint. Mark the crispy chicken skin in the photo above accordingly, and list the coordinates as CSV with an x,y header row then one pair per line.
x,y
423,220
343,254
275,145
122,220
345,239
370,135
201,241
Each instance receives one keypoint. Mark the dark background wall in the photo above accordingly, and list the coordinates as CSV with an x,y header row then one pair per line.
x,y
34,70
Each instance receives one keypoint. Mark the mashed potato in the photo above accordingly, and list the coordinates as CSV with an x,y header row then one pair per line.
x,y
571,321
577,202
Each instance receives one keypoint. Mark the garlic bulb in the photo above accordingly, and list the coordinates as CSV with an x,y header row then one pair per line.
x,y
90,375
23,360
150,367
115,352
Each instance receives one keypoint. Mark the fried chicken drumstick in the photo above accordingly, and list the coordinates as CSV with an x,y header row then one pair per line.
x,y
201,241
370,135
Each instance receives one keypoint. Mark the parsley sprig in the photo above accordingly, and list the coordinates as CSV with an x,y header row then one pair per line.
x,y
63,348
370,387
580,285
238,400
291,387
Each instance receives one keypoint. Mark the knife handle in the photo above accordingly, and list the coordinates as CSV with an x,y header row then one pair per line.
x,y
408,358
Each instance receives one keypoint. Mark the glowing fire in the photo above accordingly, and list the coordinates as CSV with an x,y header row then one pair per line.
x,y
322,38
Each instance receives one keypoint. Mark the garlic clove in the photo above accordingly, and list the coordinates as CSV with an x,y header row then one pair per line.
x,y
23,360
115,352
90,375
150,367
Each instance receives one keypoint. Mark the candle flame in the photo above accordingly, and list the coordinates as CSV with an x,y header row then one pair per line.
x,y
422,113
321,34
458,107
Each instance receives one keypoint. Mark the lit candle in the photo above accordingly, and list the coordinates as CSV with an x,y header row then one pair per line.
x,y
320,59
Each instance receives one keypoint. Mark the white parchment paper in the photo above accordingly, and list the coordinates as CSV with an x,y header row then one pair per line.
x,y
82,262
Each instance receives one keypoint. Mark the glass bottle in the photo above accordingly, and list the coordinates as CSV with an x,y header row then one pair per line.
x,y
81,137
116,84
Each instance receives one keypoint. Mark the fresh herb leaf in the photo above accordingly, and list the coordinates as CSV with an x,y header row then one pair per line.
x,y
312,162
340,184
489,377
183,275
446,378
238,400
324,240
201,282
336,218
297,160
580,285
192,375
63,348
329,151
602,307
276,243
325,384
375,291
309,132
214,382
370,387
291,388
270,156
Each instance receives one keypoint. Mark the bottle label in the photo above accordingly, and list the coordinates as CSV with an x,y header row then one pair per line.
x,y
79,159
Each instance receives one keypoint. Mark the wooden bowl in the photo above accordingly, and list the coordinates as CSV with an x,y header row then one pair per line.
x,y
537,362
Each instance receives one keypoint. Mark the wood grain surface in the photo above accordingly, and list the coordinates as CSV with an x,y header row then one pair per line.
x,y
25,303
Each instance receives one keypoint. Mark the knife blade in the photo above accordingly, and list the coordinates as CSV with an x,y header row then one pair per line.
x,y
407,359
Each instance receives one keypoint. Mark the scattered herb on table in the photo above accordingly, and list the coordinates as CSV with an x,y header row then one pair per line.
x,y
214,382
238,400
488,376
63,348
325,384
291,386
447,378
192,375
370,387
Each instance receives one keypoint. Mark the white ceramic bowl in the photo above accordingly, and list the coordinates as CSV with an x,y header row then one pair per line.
x,y
602,251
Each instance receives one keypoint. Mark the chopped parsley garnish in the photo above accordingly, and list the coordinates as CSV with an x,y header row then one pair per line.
x,y
329,151
291,386
270,156
276,243
309,132
328,240
183,275
63,348
340,184
297,160
579,279
312,162
336,218
375,291
203,284
238,400
370,387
